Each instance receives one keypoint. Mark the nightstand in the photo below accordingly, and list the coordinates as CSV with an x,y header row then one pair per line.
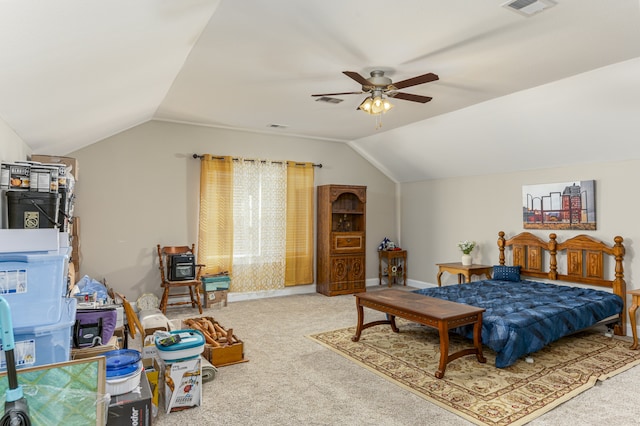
x,y
396,265
465,271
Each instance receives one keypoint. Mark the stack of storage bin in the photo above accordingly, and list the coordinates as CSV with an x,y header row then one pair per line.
x,y
213,284
39,195
34,285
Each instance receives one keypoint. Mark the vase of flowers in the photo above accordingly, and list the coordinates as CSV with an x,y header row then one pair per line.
x,y
466,247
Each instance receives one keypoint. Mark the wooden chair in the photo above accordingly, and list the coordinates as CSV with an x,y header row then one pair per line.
x,y
194,285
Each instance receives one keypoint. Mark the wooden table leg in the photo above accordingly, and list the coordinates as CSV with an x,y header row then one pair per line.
x,y
404,271
443,330
392,321
440,275
632,317
477,339
360,309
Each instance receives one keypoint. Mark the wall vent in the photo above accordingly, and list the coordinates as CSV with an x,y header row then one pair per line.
x,y
528,7
329,100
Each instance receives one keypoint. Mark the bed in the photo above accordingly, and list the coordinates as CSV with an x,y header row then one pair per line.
x,y
524,315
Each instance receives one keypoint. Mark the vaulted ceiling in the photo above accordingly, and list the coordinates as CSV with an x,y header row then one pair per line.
x,y
76,71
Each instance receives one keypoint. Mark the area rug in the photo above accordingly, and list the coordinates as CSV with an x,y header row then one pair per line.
x,y
482,393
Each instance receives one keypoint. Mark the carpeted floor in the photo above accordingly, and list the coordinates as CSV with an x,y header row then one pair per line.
x,y
481,393
292,380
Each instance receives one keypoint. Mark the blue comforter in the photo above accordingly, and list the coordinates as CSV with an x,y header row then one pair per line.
x,y
523,317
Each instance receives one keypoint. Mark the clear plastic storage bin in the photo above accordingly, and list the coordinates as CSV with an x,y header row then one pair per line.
x,y
44,344
34,285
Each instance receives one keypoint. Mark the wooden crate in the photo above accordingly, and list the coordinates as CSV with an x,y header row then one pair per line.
x,y
224,354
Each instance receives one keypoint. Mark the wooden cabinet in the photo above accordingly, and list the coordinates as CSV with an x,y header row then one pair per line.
x,y
341,239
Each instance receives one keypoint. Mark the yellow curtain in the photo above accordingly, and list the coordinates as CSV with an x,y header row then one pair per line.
x,y
299,247
215,232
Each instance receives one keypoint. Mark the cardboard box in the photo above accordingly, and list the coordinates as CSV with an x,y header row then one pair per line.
x,y
217,297
149,349
133,408
224,354
68,161
182,384
82,353
152,371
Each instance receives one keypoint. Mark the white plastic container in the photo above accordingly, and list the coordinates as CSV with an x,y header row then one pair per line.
x,y
124,384
124,368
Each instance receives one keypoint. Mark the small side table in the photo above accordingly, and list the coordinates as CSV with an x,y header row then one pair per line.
x,y
465,271
635,301
393,258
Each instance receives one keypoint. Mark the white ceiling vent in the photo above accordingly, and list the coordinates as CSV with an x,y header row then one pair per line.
x,y
528,7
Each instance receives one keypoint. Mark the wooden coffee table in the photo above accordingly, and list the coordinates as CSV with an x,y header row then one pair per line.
x,y
437,313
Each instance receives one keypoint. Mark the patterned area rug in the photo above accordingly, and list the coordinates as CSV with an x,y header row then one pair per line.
x,y
482,393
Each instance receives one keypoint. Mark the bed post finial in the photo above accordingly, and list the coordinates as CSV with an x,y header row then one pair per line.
x,y
501,244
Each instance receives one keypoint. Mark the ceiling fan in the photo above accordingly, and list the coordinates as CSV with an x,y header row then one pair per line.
x,y
378,84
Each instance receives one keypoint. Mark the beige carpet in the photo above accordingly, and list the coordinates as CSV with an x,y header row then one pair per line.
x,y
481,393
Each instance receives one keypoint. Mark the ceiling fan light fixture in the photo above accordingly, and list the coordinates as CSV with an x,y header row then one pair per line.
x,y
366,105
375,105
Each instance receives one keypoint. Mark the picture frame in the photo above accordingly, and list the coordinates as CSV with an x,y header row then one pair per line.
x,y
562,205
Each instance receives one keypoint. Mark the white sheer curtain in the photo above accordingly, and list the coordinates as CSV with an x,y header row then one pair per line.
x,y
259,225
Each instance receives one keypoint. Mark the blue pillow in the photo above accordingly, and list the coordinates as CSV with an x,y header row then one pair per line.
x,y
506,273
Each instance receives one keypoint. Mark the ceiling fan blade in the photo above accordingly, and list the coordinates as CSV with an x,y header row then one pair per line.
x,y
357,77
421,79
338,94
409,97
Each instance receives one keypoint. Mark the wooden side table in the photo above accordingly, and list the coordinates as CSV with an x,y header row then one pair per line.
x,y
635,301
465,271
391,258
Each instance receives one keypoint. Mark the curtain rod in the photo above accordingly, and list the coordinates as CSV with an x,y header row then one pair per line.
x,y
251,159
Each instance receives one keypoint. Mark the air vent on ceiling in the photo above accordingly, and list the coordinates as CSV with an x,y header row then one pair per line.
x,y
329,100
277,126
528,7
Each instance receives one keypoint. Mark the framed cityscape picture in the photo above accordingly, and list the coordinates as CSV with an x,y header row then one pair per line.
x,y
565,205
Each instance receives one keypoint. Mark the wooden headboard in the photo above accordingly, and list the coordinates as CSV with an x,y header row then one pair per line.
x,y
585,260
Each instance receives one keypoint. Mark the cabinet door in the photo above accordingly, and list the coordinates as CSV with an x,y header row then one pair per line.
x,y
356,268
339,273
347,273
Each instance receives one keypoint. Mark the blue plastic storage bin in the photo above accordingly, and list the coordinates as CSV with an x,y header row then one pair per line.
x,y
44,344
34,285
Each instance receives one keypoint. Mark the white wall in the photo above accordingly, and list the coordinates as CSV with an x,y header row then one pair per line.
x,y
437,214
140,188
12,148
